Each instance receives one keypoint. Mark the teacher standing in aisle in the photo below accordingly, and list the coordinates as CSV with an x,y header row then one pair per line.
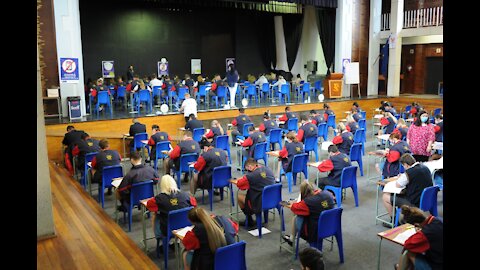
x,y
232,81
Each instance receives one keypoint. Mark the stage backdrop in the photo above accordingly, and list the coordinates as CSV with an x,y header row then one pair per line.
x,y
141,33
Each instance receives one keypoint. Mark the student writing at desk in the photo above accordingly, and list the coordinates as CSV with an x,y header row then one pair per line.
x,y
344,139
138,173
193,123
71,138
215,131
252,140
425,247
84,146
334,165
291,148
416,178
157,136
135,128
186,146
211,158
254,181
391,166
104,158
307,211
238,122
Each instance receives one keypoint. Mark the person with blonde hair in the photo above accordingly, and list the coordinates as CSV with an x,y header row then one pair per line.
x,y
202,241
170,198
344,139
351,125
401,128
307,211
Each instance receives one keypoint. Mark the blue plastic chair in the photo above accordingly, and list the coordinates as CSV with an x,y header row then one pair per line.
x,y
436,111
138,192
265,90
362,123
275,137
181,93
137,142
144,96
156,91
252,92
260,152
318,86
291,124
284,93
323,131
305,90
222,143
202,92
271,198
220,179
406,112
356,155
311,144
299,165
231,257
177,219
161,146
103,98
358,138
363,114
109,172
348,179
428,202
437,181
121,93
88,158
197,134
221,94
184,166
331,123
245,133
329,224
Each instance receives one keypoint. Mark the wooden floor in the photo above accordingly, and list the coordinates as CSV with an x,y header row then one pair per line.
x,y
86,237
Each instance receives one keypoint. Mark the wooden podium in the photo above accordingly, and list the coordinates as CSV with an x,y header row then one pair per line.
x,y
333,85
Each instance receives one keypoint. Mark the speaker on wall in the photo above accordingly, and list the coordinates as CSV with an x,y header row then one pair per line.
x,y
312,66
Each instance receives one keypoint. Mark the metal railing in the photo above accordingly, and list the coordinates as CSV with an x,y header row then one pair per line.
x,y
424,17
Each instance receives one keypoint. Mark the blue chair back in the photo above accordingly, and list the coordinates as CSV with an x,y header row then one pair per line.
x,y
181,93
276,136
260,152
322,131
201,90
251,90
359,135
144,95
265,88
138,138
299,163
311,143
157,91
356,155
88,158
121,91
245,129
271,196
363,114
103,97
348,177
428,200
362,123
329,222
306,88
231,257
331,121
221,176
185,159
222,142
408,108
436,111
285,89
162,146
138,192
292,124
222,91
197,134
108,174
177,219
318,85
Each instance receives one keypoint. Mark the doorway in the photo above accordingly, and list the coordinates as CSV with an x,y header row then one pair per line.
x,y
434,74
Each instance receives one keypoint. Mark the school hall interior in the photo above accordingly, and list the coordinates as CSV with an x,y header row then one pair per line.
x,y
367,51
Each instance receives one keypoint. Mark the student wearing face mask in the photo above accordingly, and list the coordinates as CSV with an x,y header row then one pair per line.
x,y
420,137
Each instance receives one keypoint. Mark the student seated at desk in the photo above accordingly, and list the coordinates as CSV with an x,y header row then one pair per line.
x,y
286,116
291,148
425,247
351,125
157,136
186,146
416,178
209,233
307,211
344,139
254,181
327,111
138,173
238,122
335,164
211,158
71,138
215,131
104,158
193,123
401,128
254,137
356,107
356,115
317,118
267,124
84,146
306,129
135,128
438,128
388,122
170,198
397,148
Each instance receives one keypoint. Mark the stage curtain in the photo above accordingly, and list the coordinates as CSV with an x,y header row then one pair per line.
x,y
326,29
292,28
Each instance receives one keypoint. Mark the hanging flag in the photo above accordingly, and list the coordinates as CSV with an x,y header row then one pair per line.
x,y
384,58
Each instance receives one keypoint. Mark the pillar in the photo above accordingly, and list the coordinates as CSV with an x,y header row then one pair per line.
x,y
374,47
395,54
343,37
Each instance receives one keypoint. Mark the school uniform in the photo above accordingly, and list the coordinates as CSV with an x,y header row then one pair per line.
x,y
84,147
267,126
307,130
352,127
136,128
344,142
288,115
254,182
251,142
428,243
159,136
205,164
392,162
103,159
184,147
239,122
334,165
388,123
326,113
310,209
214,133
193,124
357,116
402,131
318,119
137,174
288,152
438,128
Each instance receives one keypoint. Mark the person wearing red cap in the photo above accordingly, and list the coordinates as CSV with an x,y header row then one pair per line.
x,y
170,198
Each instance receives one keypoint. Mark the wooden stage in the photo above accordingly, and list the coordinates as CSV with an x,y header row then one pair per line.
x,y
115,128
86,237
